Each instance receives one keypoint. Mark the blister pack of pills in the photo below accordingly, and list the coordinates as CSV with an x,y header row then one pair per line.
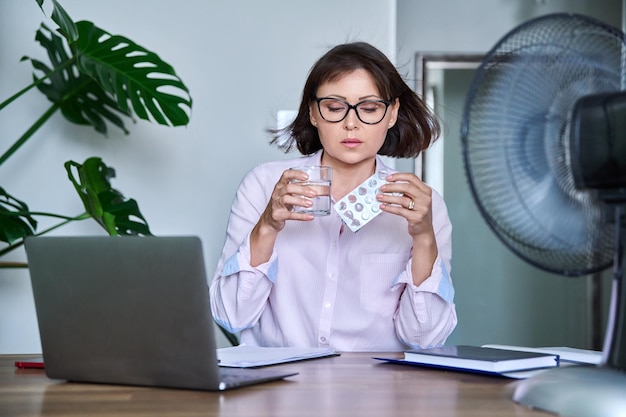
x,y
360,206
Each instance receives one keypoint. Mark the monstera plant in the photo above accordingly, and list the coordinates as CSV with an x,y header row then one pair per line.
x,y
93,78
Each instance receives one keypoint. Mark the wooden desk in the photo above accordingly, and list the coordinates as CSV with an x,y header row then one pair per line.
x,y
352,384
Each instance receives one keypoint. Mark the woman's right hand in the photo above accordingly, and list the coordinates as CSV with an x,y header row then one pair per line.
x,y
279,209
285,196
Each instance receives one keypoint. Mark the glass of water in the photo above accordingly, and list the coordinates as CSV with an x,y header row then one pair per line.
x,y
320,178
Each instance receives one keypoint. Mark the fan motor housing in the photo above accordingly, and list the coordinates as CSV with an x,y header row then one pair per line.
x,y
598,144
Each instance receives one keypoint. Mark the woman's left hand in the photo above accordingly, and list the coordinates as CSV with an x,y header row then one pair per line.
x,y
407,196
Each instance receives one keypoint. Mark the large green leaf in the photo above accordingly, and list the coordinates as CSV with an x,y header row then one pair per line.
x,y
80,98
61,18
109,77
134,76
15,221
107,206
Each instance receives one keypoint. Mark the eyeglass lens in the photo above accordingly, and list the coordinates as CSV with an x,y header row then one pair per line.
x,y
368,111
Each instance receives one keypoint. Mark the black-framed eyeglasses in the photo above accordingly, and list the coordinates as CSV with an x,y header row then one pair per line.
x,y
368,111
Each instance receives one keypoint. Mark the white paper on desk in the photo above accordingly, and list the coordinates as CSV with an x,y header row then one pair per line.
x,y
532,372
566,354
244,356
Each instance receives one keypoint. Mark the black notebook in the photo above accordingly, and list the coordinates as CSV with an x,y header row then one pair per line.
x,y
477,359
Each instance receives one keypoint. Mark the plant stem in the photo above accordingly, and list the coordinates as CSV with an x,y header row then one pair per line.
x,y
35,84
17,95
67,220
42,213
29,133
41,120
232,339
13,265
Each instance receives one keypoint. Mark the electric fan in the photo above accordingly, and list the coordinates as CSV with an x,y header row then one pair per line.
x,y
544,147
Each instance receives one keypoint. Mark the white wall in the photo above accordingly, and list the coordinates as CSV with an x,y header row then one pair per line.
x,y
242,61
476,25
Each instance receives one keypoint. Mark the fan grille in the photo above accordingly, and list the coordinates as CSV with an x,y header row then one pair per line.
x,y
516,140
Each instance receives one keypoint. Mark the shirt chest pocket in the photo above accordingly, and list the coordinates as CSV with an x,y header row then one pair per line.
x,y
377,273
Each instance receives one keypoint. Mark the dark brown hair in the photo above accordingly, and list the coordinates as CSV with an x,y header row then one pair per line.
x,y
413,132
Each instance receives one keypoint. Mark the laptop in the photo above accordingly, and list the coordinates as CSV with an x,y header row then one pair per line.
x,y
129,311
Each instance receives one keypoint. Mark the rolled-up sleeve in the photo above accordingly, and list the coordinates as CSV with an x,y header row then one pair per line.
x,y
239,291
426,314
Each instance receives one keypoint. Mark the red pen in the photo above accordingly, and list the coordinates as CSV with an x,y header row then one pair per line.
x,y
34,363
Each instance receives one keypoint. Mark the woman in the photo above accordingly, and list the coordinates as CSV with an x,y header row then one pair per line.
x,y
288,278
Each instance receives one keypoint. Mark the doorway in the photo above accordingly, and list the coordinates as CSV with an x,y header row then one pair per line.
x,y
499,297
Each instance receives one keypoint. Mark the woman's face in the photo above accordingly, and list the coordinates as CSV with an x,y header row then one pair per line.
x,y
351,141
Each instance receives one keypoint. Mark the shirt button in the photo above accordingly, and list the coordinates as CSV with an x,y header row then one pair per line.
x,y
323,339
327,304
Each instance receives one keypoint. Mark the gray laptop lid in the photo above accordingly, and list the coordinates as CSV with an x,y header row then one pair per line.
x,y
128,310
